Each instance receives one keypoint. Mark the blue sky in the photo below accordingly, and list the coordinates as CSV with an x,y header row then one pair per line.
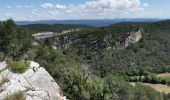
x,y
83,9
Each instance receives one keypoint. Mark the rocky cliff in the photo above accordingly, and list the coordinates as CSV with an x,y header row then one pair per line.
x,y
62,42
34,84
129,38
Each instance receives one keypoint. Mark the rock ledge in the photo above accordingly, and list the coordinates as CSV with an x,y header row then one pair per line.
x,y
35,83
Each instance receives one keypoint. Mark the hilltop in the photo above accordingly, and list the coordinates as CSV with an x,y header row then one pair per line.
x,y
96,62
92,22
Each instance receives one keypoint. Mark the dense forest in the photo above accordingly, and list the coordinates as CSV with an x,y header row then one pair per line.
x,y
85,63
34,28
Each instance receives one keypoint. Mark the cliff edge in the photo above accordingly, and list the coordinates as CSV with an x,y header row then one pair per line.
x,y
34,84
129,38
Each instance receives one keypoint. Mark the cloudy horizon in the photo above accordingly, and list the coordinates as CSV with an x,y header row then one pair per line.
x,y
82,9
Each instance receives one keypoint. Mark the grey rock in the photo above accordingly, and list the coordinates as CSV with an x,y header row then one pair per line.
x,y
35,83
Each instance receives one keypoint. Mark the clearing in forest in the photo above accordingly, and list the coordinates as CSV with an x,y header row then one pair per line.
x,y
158,87
164,75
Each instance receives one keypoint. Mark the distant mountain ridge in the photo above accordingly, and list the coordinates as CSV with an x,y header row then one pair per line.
x,y
92,22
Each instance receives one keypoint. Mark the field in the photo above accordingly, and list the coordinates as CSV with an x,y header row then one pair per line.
x,y
164,75
158,87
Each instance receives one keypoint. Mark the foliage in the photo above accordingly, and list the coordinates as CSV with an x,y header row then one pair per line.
x,y
13,40
150,54
142,92
111,69
18,66
91,46
16,96
35,28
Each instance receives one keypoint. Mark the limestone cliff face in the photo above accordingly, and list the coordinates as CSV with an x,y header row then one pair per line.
x,y
131,37
62,42
35,83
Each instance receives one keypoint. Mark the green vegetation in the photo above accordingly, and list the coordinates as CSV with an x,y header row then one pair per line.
x,y
110,70
18,66
16,96
150,78
14,41
150,55
35,28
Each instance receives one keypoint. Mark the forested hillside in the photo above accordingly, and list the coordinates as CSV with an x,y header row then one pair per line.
x,y
34,28
96,48
151,53
88,67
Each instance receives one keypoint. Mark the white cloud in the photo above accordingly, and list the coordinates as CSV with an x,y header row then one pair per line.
x,y
98,8
56,6
8,7
47,5
15,16
24,6
146,4
105,8
59,6
8,14
19,6
28,6
35,10
94,9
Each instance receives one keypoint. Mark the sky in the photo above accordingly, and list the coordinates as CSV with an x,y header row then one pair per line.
x,y
29,10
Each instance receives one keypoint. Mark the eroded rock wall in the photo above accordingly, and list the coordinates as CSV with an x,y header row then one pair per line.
x,y
131,37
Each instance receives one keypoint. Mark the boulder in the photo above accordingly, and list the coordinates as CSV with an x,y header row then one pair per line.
x,y
35,84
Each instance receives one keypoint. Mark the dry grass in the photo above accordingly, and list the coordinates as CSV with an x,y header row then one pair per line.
x,y
164,75
133,84
16,96
158,87
4,80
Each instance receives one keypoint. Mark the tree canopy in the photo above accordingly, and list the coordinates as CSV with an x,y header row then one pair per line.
x,y
13,39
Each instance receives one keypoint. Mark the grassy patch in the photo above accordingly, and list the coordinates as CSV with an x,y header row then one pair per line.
x,y
16,96
18,66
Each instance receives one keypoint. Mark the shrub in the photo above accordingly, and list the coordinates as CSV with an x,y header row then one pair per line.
x,y
14,40
142,92
18,66
1,56
4,80
16,96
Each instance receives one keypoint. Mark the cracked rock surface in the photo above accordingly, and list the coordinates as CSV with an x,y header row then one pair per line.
x,y
35,83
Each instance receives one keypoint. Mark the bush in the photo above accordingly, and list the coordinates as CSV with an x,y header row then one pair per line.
x,y
4,80
1,56
18,66
142,92
14,40
16,96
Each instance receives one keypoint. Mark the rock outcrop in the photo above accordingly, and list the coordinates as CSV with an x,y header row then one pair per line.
x,y
35,83
62,41
129,38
